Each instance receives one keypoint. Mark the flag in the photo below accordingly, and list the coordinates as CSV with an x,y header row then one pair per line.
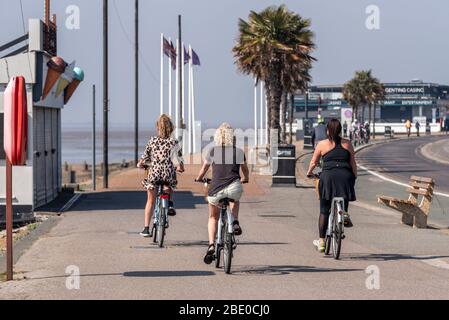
x,y
186,56
173,55
170,51
195,59
167,48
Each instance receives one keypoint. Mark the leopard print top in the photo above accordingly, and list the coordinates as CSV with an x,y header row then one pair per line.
x,y
159,156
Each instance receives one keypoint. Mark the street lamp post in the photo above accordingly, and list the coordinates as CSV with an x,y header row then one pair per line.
x,y
136,82
105,96
307,104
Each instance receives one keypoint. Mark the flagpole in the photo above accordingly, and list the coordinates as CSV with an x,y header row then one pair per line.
x,y
193,111
177,92
169,84
162,74
255,112
190,100
181,49
266,118
261,113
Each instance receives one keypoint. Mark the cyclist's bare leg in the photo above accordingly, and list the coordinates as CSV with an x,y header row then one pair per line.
x,y
235,207
149,208
213,222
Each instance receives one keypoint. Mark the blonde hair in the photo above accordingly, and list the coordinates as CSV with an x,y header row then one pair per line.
x,y
224,136
164,127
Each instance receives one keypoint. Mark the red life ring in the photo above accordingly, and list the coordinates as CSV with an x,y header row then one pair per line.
x,y
16,121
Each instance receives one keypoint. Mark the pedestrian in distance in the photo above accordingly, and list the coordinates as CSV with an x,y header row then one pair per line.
x,y
345,129
367,132
319,132
417,126
408,127
446,125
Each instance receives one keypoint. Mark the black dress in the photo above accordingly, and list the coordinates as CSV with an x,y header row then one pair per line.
x,y
337,178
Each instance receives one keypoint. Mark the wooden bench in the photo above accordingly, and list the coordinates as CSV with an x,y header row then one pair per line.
x,y
414,213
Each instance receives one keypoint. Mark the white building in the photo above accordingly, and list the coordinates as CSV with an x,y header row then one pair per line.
x,y
39,181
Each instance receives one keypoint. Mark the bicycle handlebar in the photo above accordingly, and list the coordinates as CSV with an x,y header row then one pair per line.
x,y
208,181
313,176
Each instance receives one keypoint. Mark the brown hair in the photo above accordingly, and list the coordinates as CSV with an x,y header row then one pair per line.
x,y
164,127
334,130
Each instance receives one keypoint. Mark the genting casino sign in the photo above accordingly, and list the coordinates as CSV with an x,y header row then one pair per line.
x,y
405,90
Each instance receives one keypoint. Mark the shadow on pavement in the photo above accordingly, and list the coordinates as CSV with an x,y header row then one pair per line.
x,y
389,257
284,270
188,200
130,200
138,274
163,274
82,276
205,243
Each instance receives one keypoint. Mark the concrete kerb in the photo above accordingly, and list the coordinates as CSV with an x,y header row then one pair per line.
x,y
426,153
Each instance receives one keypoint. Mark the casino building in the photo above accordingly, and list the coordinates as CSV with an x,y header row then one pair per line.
x,y
416,100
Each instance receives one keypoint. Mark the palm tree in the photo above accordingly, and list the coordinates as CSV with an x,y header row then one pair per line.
x,y
361,91
375,93
271,45
295,78
353,93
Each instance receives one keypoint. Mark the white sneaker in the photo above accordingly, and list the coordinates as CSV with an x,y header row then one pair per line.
x,y
319,245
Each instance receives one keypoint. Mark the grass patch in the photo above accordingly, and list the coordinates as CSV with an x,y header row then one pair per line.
x,y
18,234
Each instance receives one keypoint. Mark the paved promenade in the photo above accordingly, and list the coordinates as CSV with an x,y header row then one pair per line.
x,y
274,260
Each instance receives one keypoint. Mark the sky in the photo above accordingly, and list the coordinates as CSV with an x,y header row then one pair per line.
x,y
411,43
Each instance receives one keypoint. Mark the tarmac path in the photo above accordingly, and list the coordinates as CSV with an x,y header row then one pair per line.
x,y
275,258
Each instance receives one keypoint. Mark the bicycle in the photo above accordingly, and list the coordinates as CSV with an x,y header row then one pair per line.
x,y
161,207
225,242
335,229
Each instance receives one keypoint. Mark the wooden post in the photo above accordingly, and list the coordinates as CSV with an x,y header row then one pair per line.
x,y
9,222
47,12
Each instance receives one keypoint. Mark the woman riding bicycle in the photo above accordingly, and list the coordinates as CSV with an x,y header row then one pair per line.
x,y
337,178
158,157
226,161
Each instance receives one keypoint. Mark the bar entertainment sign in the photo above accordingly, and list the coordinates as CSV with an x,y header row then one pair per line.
x,y
423,102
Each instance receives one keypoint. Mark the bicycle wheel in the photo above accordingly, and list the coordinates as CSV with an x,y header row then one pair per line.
x,y
161,226
227,250
336,238
219,248
327,245
154,234
156,217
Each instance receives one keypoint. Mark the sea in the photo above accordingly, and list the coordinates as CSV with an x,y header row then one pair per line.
x,y
77,143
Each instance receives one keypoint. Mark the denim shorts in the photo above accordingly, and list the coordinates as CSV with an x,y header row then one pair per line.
x,y
234,191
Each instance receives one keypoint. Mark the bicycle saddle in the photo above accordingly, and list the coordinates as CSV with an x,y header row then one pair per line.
x,y
226,200
162,183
